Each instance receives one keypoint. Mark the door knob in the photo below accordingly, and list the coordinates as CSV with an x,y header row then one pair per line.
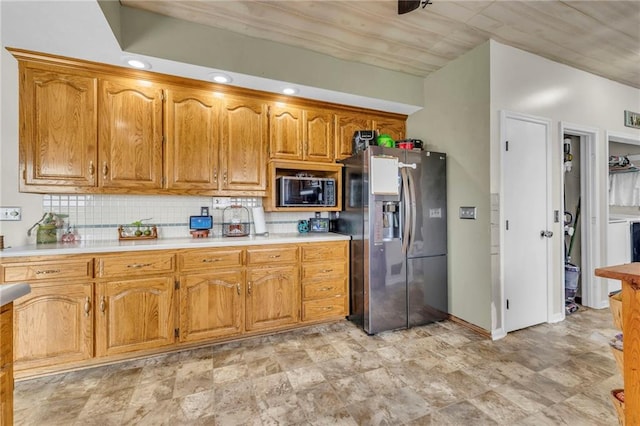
x,y
547,234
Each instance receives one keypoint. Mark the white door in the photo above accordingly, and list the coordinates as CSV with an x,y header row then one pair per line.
x,y
527,237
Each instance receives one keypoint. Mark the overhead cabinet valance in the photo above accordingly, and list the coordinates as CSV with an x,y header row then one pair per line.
x,y
87,127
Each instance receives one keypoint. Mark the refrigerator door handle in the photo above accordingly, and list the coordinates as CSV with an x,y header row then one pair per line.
x,y
413,212
405,210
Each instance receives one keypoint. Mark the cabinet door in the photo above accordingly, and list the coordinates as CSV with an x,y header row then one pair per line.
x,y
211,305
285,133
130,134
392,127
244,145
346,126
134,315
273,297
53,325
318,135
6,364
192,132
58,132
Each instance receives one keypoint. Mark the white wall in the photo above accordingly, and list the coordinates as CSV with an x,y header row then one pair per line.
x,y
529,84
455,120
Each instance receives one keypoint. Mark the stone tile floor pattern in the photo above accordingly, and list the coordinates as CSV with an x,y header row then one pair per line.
x,y
439,374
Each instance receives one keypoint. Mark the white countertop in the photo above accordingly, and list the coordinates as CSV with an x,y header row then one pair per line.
x,y
84,247
10,292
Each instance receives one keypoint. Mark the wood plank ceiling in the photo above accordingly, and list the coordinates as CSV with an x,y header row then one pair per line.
x,y
601,37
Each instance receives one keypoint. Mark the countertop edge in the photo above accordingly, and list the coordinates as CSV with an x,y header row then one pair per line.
x,y
166,244
11,292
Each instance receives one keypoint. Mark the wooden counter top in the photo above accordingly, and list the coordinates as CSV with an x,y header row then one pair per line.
x,y
629,274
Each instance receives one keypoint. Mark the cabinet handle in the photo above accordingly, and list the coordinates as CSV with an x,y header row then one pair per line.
x,y
138,265
87,306
249,287
224,177
328,308
326,271
215,174
238,288
48,271
102,304
274,256
105,169
326,288
92,168
211,260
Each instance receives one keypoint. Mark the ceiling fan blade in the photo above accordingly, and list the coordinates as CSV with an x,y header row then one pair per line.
x,y
406,6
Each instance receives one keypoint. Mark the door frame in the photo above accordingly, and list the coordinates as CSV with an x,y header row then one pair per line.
x,y
589,211
552,244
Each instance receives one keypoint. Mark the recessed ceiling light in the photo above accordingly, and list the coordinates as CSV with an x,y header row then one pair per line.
x,y
289,90
220,77
137,63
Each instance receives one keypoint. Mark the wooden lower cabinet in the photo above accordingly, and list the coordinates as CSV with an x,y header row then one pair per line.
x,y
6,364
211,305
134,315
53,325
115,306
273,298
325,275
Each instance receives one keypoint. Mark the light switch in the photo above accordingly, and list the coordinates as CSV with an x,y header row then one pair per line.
x,y
468,212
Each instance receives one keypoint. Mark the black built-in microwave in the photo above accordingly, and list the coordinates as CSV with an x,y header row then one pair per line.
x,y
296,191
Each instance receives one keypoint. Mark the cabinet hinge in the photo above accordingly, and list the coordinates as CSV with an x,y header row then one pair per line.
x,y
176,332
507,303
177,285
24,174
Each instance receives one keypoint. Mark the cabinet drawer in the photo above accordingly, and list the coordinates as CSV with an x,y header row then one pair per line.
x,y
52,270
207,259
324,289
314,271
135,264
317,252
324,308
272,255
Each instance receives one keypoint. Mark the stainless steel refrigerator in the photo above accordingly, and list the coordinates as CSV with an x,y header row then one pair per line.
x,y
395,210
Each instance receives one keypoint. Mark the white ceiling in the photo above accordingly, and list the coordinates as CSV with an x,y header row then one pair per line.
x,y
601,37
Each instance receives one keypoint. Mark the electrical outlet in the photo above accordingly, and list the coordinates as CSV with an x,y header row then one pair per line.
x,y
221,202
467,212
10,213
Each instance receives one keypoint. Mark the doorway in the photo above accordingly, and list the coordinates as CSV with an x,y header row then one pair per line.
x,y
579,192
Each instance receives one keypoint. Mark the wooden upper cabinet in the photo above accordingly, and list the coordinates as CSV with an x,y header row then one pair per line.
x,y
58,131
392,127
346,126
130,134
285,133
193,144
244,128
301,134
318,135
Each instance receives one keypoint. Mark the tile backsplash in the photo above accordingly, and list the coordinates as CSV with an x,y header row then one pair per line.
x,y
97,217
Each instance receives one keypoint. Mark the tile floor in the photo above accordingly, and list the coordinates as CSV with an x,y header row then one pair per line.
x,y
440,374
